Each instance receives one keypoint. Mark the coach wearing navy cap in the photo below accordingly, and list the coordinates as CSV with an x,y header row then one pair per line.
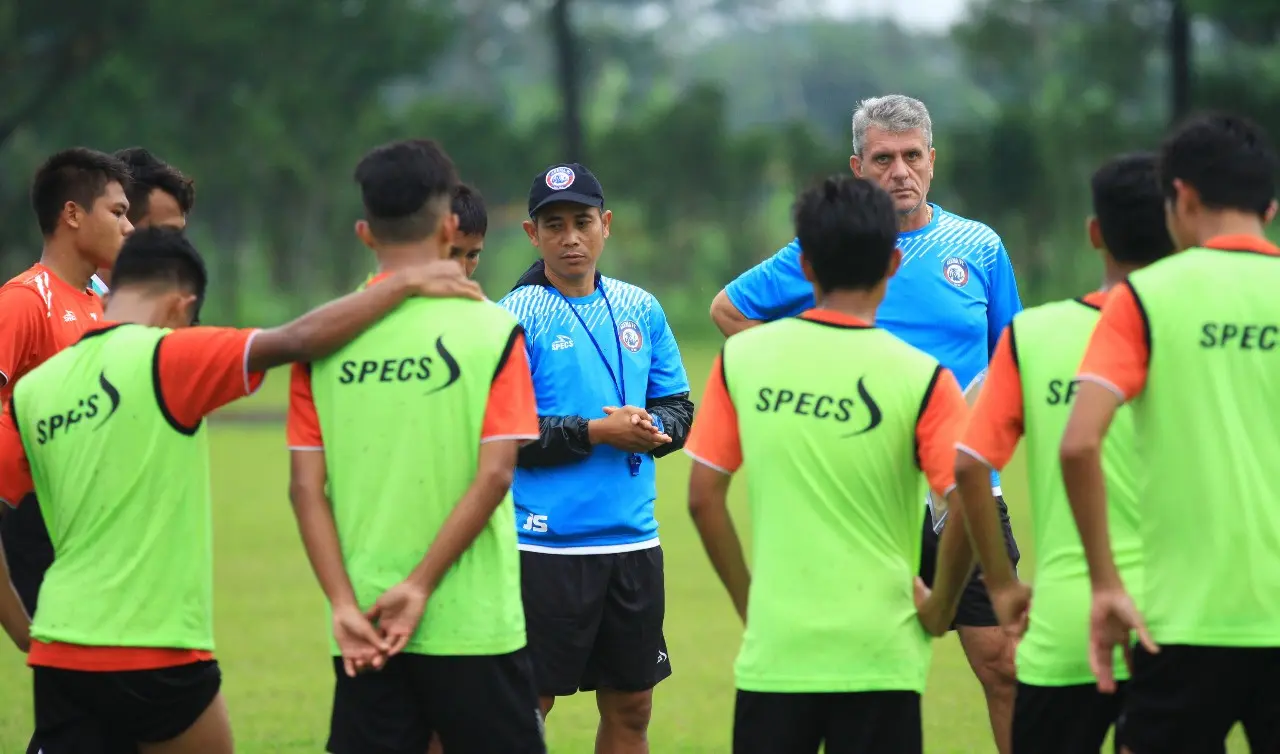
x,y
612,398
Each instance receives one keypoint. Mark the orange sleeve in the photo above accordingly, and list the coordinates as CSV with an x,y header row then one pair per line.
x,y
15,472
302,425
1119,351
714,440
201,369
995,425
938,430
22,314
512,412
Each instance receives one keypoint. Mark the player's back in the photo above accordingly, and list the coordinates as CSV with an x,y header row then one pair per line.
x,y
1048,342
827,412
1206,427
124,495
42,314
401,409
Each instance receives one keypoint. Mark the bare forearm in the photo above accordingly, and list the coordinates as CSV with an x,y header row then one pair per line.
x,y
13,616
322,331
955,555
982,518
460,529
724,549
727,318
1086,490
324,550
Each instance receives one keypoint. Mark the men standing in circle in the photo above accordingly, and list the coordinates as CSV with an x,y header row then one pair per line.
x,y
403,442
832,655
1028,393
80,202
612,399
122,642
1193,343
954,294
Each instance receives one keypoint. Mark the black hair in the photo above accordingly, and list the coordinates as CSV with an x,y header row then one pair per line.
x,y
1129,205
150,173
77,175
406,186
161,257
848,229
468,205
1227,159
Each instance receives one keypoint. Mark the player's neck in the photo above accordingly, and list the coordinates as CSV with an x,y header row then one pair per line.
x,y
1115,272
62,260
1228,222
129,307
396,258
572,287
859,304
916,219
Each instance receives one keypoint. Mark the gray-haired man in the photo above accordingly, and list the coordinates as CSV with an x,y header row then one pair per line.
x,y
951,298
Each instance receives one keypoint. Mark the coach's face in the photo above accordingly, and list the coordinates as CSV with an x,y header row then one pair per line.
x,y
901,162
570,237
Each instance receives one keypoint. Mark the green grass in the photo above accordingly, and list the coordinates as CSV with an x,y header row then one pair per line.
x,y
272,628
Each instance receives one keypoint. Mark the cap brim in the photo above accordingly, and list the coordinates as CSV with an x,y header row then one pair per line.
x,y
567,196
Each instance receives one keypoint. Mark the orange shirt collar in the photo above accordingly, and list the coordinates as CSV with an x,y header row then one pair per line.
x,y
1242,243
833,318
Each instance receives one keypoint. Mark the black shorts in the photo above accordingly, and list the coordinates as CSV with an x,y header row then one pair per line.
x,y
975,605
868,722
595,621
27,549
1184,700
80,712
479,704
1063,719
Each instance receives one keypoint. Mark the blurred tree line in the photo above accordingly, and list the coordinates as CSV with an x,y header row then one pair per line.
x,y
700,117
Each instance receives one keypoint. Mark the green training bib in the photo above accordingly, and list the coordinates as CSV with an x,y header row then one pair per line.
x,y
125,496
401,410
1208,432
827,416
1049,341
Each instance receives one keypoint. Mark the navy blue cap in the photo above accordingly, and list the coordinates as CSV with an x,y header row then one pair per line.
x,y
570,182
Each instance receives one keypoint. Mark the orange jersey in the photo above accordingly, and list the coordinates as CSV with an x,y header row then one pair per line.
x,y
40,314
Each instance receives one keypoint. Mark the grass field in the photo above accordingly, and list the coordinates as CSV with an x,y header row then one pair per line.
x,y
272,629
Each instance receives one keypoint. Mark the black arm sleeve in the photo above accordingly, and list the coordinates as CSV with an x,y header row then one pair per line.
x,y
561,440
676,413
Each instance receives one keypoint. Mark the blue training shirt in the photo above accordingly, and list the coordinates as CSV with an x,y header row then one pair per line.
x,y
594,505
952,296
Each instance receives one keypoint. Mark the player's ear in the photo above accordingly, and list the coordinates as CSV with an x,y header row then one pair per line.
x,y
895,261
1094,229
855,164
807,268
73,214
606,220
531,230
365,234
448,229
1271,212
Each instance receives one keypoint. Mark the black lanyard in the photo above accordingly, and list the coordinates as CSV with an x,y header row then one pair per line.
x,y
620,379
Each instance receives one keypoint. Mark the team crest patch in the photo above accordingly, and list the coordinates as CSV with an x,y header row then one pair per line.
x,y
956,271
629,335
559,179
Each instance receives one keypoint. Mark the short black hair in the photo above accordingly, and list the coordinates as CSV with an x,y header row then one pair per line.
x,y
848,229
150,173
405,186
1228,159
161,257
77,175
468,205
1129,205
